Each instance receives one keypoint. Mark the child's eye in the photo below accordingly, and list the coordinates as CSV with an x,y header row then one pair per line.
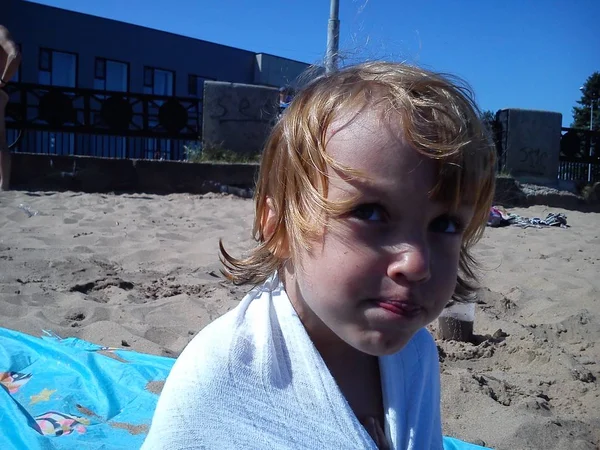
x,y
369,212
446,224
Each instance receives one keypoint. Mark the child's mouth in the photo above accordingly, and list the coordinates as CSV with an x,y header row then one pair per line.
x,y
403,309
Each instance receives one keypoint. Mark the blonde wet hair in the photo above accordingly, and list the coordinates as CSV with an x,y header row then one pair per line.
x,y
437,116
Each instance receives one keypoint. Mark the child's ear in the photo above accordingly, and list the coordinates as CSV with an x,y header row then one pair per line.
x,y
269,219
269,222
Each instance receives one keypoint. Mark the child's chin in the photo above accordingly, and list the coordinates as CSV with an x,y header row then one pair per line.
x,y
384,347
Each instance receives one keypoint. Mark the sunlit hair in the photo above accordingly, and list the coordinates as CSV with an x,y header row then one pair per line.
x,y
435,114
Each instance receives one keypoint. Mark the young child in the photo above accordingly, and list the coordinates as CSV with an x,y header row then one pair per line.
x,y
373,188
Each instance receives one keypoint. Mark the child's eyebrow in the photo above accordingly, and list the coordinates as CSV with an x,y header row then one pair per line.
x,y
372,189
365,186
368,190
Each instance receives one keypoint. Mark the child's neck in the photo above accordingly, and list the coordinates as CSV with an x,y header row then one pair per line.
x,y
353,371
358,378
337,353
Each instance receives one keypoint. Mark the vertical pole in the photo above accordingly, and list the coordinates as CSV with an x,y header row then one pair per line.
x,y
333,37
591,138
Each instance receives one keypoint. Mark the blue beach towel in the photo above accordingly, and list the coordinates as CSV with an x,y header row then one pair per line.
x,y
69,394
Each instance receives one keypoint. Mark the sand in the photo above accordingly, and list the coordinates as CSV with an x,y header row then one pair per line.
x,y
141,272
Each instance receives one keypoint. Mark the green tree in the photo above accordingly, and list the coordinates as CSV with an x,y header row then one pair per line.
x,y
488,117
489,120
590,93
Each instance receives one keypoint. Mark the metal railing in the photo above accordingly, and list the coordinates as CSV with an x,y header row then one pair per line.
x,y
579,155
74,121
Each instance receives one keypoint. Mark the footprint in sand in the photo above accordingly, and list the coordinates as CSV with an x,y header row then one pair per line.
x,y
13,306
74,318
82,249
73,219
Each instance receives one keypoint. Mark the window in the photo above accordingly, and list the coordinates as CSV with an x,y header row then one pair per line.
x,y
57,68
111,75
196,85
159,81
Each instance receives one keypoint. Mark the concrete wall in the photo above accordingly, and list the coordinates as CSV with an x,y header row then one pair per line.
x,y
237,117
89,174
531,143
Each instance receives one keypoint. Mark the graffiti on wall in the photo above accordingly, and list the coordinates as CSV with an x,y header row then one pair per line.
x,y
243,111
533,160
238,117
531,142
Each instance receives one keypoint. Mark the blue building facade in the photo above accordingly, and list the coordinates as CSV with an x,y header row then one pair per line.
x,y
62,47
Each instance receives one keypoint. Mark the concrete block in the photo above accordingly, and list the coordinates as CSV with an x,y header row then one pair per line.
x,y
238,117
531,143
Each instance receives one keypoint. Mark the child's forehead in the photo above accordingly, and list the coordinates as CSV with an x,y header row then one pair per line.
x,y
374,151
368,123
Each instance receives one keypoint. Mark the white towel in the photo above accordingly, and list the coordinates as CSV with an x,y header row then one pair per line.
x,y
254,380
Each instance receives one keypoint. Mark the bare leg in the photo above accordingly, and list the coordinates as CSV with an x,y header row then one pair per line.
x,y
5,158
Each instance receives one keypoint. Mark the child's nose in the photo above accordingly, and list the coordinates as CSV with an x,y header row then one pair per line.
x,y
411,263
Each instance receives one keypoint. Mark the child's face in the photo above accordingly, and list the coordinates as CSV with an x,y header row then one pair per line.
x,y
391,266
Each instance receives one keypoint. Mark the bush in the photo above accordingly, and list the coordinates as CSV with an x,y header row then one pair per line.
x,y
197,153
591,193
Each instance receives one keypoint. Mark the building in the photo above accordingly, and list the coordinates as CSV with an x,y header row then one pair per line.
x,y
80,51
66,48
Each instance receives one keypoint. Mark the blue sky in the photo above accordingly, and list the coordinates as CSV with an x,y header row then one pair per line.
x,y
532,54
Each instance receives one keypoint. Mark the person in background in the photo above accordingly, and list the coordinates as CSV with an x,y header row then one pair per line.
x,y
286,94
10,58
